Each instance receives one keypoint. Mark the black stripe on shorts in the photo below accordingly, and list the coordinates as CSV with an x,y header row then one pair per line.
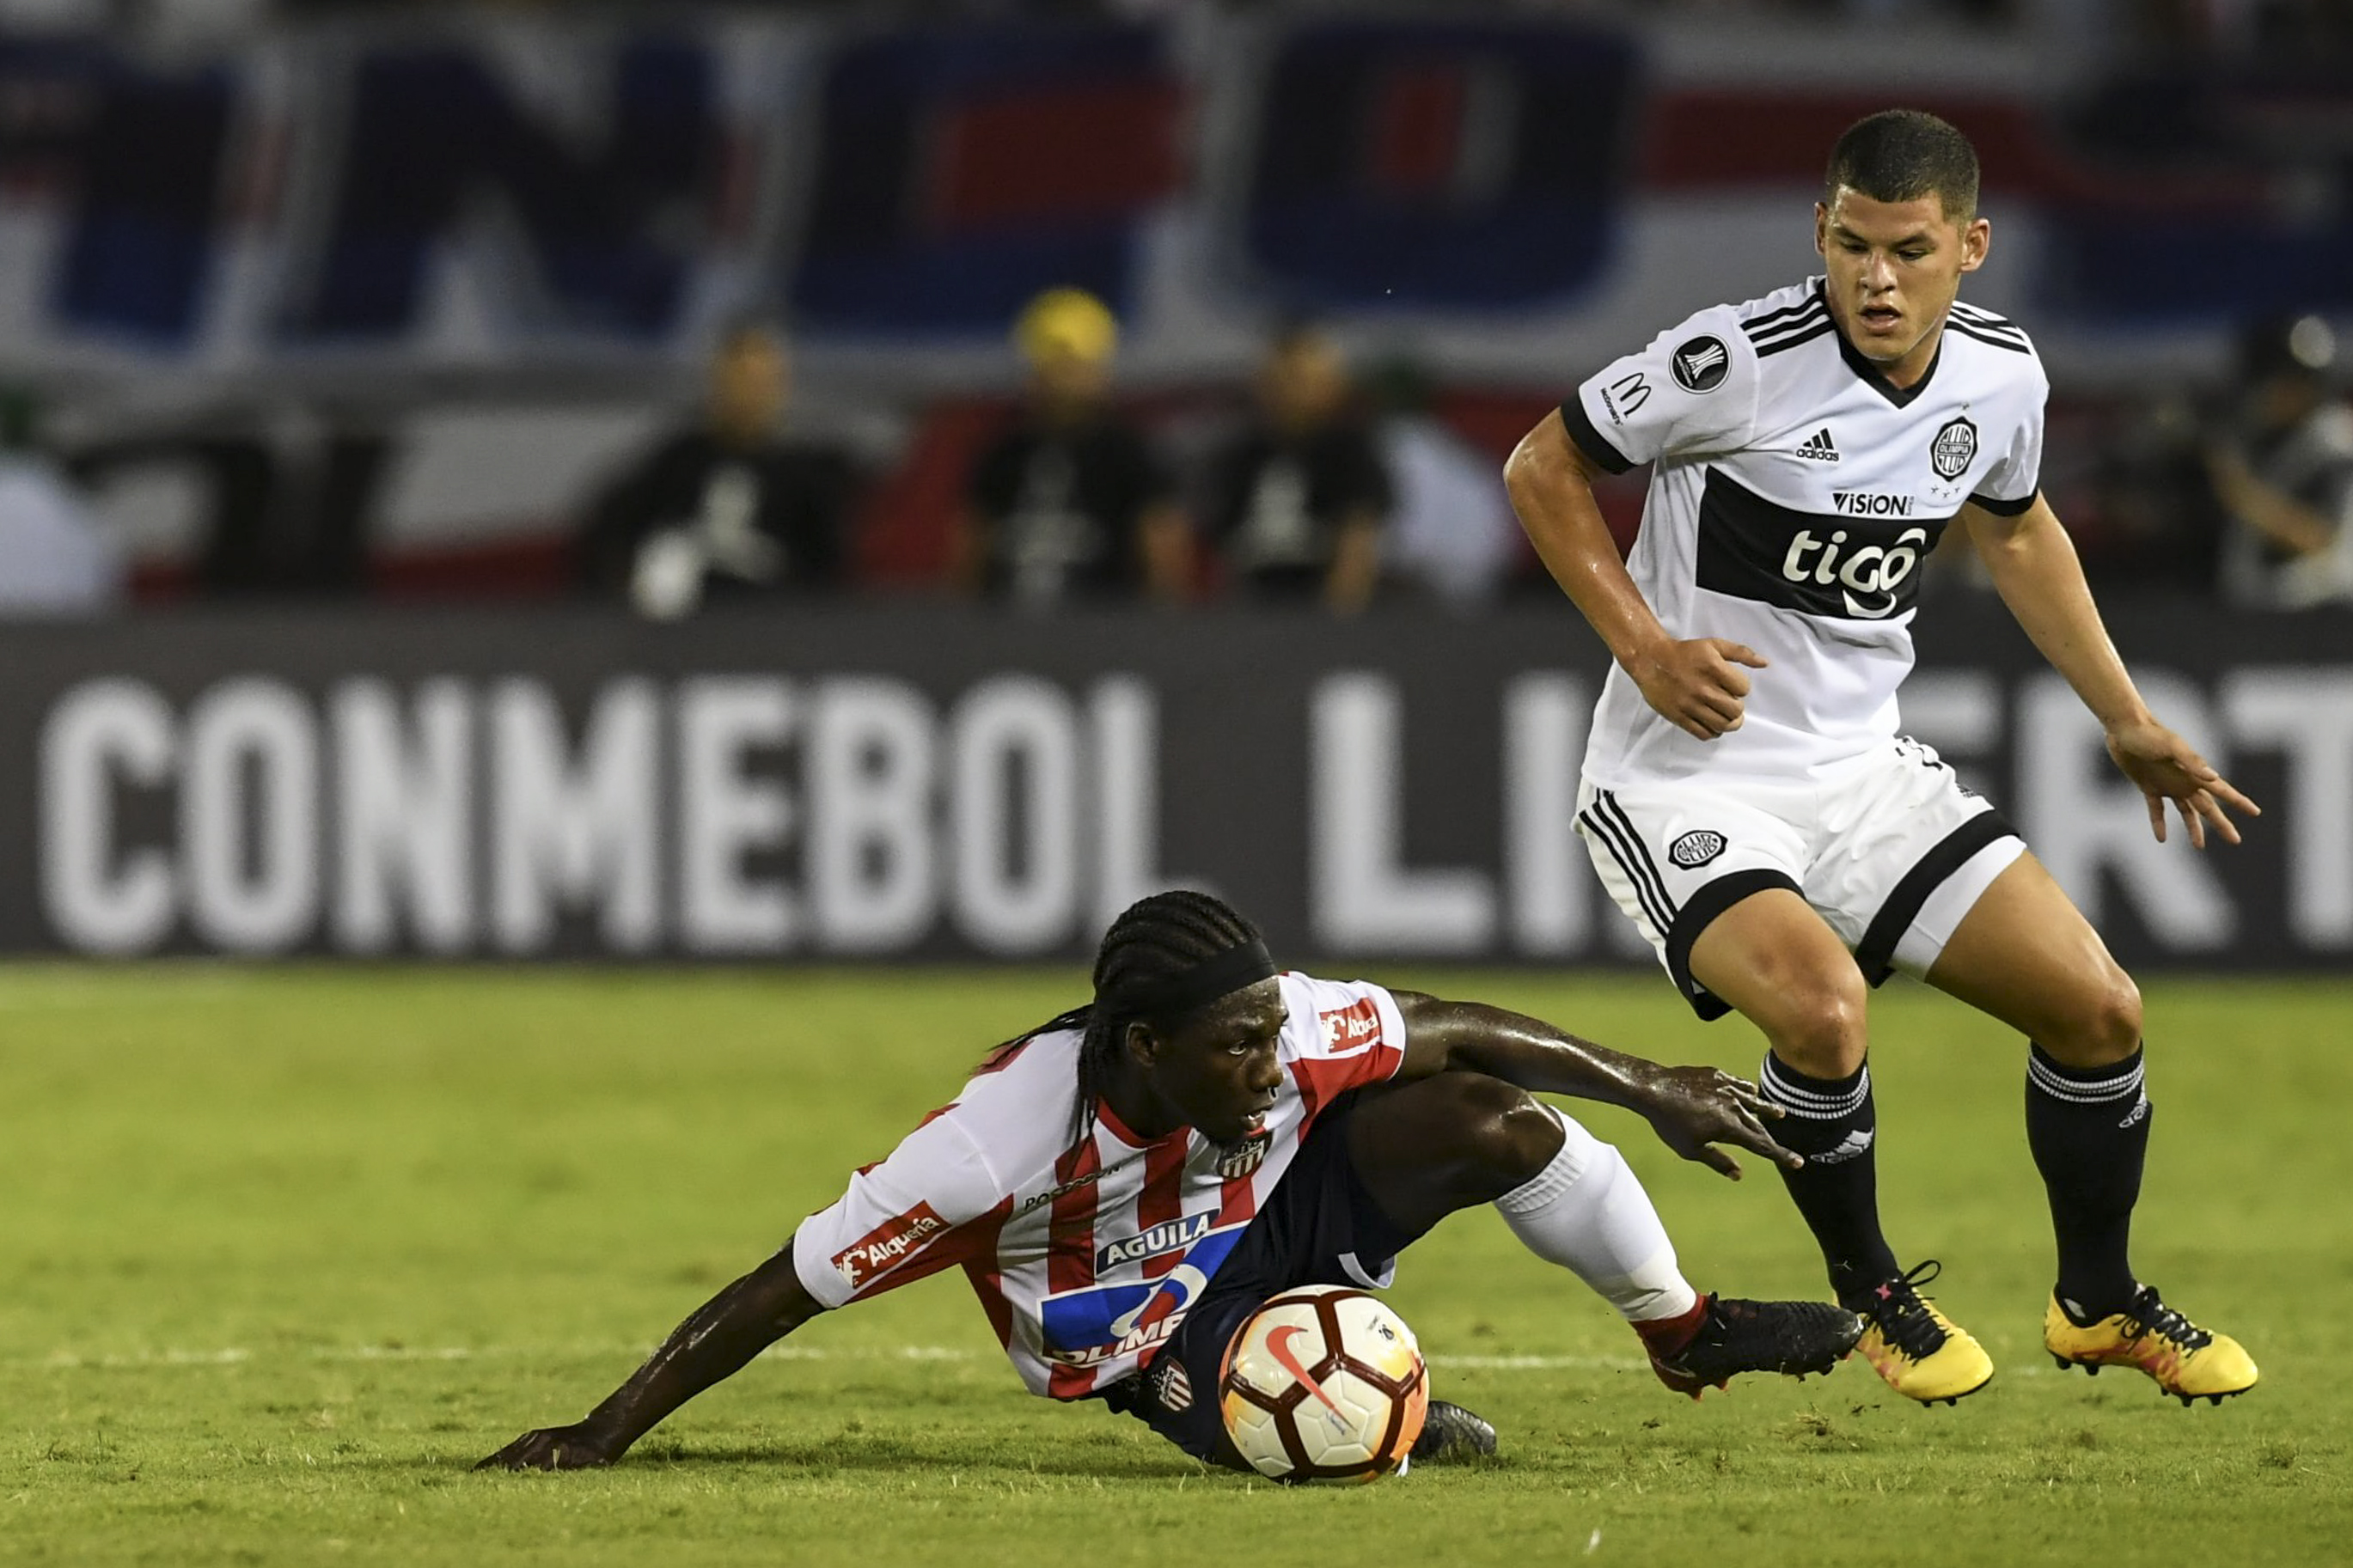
x,y
1697,915
1875,954
1627,850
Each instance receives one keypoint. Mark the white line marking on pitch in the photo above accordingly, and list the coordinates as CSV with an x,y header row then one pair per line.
x,y
64,1361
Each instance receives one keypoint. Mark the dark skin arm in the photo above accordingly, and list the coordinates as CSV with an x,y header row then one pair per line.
x,y
717,1341
1691,1108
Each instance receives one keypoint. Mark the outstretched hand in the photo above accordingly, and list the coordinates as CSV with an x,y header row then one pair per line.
x,y
1692,1108
2164,768
572,1448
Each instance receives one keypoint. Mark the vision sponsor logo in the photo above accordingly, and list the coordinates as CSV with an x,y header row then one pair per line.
x,y
1350,1028
888,1244
1870,503
1866,570
1108,1323
1169,1236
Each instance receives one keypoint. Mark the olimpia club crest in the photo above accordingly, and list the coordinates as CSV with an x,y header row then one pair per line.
x,y
1955,448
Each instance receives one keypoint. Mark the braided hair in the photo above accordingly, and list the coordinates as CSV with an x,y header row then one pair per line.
x,y
1155,940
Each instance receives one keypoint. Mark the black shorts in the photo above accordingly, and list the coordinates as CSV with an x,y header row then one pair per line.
x,y
1319,1227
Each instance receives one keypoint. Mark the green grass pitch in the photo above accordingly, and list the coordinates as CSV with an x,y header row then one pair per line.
x,y
281,1252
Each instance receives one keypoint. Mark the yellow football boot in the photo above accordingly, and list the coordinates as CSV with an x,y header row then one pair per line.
x,y
1921,1353
2187,1361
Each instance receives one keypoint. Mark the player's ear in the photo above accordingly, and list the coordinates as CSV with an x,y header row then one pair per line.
x,y
1975,240
1821,229
1142,1043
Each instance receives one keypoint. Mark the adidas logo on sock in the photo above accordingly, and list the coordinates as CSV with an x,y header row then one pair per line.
x,y
1855,1145
1820,446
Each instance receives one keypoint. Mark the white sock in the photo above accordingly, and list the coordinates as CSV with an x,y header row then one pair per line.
x,y
1586,1213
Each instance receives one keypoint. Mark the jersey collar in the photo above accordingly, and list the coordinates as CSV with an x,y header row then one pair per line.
x,y
1868,372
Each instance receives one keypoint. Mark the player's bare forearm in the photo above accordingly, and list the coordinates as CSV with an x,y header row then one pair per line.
x,y
1694,683
1551,486
2036,571
1689,1108
717,1340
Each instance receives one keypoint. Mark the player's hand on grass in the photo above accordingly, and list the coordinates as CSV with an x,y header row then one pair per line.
x,y
1692,1108
2165,768
1698,685
572,1448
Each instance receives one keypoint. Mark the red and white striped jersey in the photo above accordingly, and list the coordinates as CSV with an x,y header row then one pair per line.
x,y
1085,1256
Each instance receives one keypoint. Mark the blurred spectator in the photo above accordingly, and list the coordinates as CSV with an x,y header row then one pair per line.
x,y
1298,499
53,557
1070,503
2284,472
1451,531
725,509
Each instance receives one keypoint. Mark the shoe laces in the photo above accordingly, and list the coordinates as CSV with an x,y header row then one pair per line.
x,y
1903,1314
2149,1315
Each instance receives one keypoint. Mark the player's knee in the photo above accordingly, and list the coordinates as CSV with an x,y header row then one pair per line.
x,y
1818,1026
1506,1135
2103,1026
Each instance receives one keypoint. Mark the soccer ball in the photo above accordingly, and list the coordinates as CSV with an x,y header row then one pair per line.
x,y
1325,1384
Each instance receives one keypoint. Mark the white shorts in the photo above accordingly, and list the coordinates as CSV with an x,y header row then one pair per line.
x,y
1887,848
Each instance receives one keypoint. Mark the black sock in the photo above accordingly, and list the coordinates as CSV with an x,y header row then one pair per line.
x,y
1832,1123
2089,1129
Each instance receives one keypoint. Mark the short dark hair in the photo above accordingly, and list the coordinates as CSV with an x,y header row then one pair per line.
x,y
1902,156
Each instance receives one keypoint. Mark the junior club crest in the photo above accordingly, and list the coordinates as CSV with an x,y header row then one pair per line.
x,y
1954,447
1701,365
1695,848
1236,1161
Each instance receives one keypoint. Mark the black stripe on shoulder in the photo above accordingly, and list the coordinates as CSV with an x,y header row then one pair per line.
x,y
1984,317
1753,324
1813,314
2005,508
1813,330
2017,345
1988,322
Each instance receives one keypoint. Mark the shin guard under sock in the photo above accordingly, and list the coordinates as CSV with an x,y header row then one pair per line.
x,y
1833,1124
1587,1213
2088,1127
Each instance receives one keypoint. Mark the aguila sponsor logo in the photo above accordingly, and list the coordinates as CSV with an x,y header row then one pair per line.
x,y
1351,1028
1169,1236
888,1244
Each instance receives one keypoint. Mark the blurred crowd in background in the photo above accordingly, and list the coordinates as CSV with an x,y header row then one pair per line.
x,y
1291,444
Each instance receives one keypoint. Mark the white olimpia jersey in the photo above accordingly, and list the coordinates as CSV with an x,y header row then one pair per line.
x,y
1086,1255
1795,495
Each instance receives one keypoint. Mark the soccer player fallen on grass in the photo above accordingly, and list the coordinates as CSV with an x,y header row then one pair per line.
x,y
1780,844
1124,1185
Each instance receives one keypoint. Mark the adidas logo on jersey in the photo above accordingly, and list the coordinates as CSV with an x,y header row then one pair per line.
x,y
1854,1146
1819,446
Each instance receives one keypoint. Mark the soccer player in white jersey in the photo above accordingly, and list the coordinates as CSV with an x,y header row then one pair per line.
x,y
1747,797
1126,1185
